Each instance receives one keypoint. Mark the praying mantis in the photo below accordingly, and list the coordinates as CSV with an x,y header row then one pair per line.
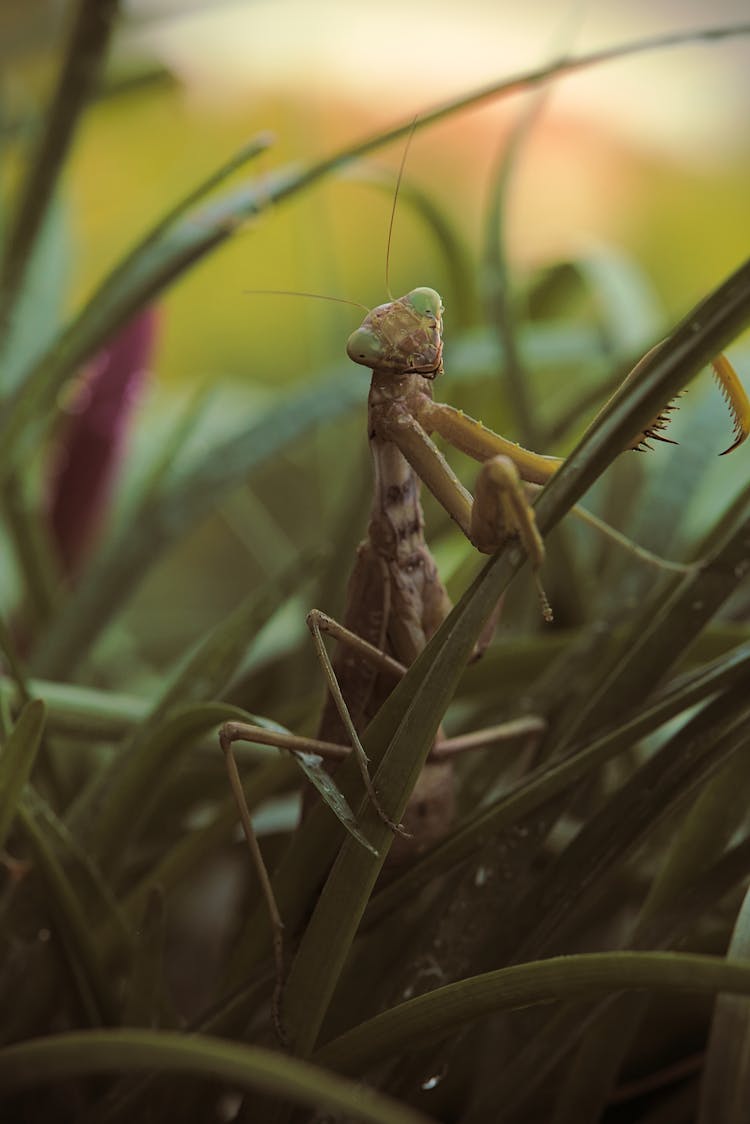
x,y
396,600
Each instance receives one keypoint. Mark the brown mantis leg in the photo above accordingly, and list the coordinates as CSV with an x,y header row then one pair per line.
x,y
227,735
346,718
445,748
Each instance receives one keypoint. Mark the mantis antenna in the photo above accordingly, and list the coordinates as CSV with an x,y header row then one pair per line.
x,y
299,293
399,177
344,300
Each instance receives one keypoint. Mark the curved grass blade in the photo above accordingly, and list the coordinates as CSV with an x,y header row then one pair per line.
x,y
84,56
585,976
88,712
79,1053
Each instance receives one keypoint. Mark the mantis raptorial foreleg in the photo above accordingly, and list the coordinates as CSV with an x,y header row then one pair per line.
x,y
499,510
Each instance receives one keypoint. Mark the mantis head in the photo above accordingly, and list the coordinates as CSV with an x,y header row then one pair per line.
x,y
404,336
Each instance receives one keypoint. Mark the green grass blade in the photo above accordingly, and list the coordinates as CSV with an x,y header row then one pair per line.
x,y
87,712
80,1054
86,49
587,976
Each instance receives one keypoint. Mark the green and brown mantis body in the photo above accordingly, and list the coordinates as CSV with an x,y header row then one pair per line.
x,y
396,600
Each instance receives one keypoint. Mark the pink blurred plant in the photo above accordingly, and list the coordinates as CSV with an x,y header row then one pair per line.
x,y
93,439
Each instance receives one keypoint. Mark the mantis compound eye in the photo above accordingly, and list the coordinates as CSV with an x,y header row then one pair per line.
x,y
426,302
365,346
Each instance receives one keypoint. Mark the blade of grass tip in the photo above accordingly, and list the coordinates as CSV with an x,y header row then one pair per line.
x,y
79,76
17,760
255,147
81,1054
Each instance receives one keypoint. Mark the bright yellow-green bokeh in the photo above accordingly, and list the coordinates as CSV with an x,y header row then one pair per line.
x,y
141,151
